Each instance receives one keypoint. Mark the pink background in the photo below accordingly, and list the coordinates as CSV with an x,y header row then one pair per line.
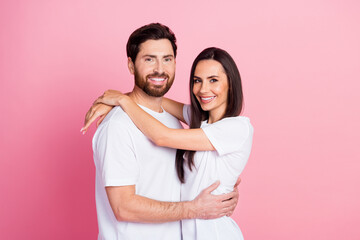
x,y
299,61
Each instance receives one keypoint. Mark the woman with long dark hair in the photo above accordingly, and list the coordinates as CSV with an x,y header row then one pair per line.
x,y
217,144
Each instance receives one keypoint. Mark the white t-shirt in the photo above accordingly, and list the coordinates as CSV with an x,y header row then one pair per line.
x,y
123,156
232,139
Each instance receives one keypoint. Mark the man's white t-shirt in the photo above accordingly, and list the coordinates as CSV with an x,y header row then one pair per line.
x,y
124,156
232,140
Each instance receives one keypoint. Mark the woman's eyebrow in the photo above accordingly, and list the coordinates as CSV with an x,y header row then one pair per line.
x,y
213,76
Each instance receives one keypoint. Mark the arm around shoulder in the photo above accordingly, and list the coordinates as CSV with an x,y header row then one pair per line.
x,y
174,108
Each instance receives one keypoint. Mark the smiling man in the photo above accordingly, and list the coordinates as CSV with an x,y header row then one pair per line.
x,y
156,62
137,188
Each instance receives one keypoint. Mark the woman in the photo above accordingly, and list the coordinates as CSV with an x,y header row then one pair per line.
x,y
222,139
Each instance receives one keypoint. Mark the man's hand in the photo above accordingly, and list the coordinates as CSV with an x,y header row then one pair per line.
x,y
209,206
96,110
236,198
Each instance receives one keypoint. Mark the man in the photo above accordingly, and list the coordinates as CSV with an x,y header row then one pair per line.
x,y
137,189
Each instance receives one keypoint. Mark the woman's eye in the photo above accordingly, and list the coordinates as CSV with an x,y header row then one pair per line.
x,y
213,80
196,80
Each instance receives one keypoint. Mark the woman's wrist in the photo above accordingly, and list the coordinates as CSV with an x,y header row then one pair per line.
x,y
123,100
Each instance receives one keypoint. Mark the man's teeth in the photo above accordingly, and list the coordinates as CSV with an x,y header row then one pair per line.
x,y
158,79
208,98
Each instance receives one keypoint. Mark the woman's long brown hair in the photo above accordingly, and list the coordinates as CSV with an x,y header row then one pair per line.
x,y
197,115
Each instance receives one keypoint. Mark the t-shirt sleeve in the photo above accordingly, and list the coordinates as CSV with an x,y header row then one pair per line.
x,y
229,134
114,155
186,113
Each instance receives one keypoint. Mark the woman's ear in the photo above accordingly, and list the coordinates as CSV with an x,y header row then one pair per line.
x,y
131,66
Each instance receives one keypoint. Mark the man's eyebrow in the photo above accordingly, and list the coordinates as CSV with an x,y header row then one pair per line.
x,y
154,56
148,55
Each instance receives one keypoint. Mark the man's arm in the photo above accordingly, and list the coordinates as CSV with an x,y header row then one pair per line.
x,y
129,207
118,167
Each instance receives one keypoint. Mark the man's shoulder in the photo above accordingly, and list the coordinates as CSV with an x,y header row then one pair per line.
x,y
116,126
116,120
117,114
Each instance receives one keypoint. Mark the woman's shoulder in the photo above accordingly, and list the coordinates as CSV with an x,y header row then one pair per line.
x,y
236,125
242,120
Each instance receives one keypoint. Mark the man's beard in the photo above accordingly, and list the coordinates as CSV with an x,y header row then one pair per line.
x,y
154,90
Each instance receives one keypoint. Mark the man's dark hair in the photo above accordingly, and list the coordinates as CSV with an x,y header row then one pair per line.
x,y
153,31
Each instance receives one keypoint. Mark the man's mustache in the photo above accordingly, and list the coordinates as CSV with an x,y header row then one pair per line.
x,y
158,75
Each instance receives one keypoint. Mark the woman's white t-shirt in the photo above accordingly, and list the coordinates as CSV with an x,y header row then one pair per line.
x,y
232,140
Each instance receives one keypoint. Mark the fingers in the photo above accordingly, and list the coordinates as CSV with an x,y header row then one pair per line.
x,y
228,207
226,197
223,209
99,100
90,117
100,120
83,130
212,187
87,115
90,120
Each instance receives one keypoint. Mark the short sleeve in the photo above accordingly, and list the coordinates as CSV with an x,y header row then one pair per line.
x,y
229,134
186,113
114,155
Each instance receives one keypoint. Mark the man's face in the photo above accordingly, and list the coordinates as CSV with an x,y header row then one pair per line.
x,y
154,67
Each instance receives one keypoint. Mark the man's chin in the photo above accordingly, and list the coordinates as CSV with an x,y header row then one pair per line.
x,y
156,92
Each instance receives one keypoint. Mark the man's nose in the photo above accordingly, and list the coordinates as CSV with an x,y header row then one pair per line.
x,y
159,68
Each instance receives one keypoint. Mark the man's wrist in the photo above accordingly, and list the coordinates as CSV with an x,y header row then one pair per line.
x,y
189,208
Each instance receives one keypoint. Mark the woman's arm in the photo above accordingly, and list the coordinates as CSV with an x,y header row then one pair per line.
x,y
187,139
97,110
174,108
111,97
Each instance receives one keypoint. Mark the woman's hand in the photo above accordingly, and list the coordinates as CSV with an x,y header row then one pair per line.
x,y
110,97
96,110
101,107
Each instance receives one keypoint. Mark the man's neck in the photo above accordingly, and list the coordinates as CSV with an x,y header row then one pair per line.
x,y
140,97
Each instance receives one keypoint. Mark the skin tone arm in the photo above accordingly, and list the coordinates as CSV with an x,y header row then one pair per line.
x,y
152,208
127,206
100,110
188,139
174,108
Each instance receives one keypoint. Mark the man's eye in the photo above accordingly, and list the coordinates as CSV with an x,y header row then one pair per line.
x,y
168,59
148,59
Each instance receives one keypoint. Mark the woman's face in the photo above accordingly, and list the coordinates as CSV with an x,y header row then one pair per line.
x,y
211,88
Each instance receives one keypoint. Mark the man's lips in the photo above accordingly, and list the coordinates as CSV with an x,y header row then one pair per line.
x,y
157,80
